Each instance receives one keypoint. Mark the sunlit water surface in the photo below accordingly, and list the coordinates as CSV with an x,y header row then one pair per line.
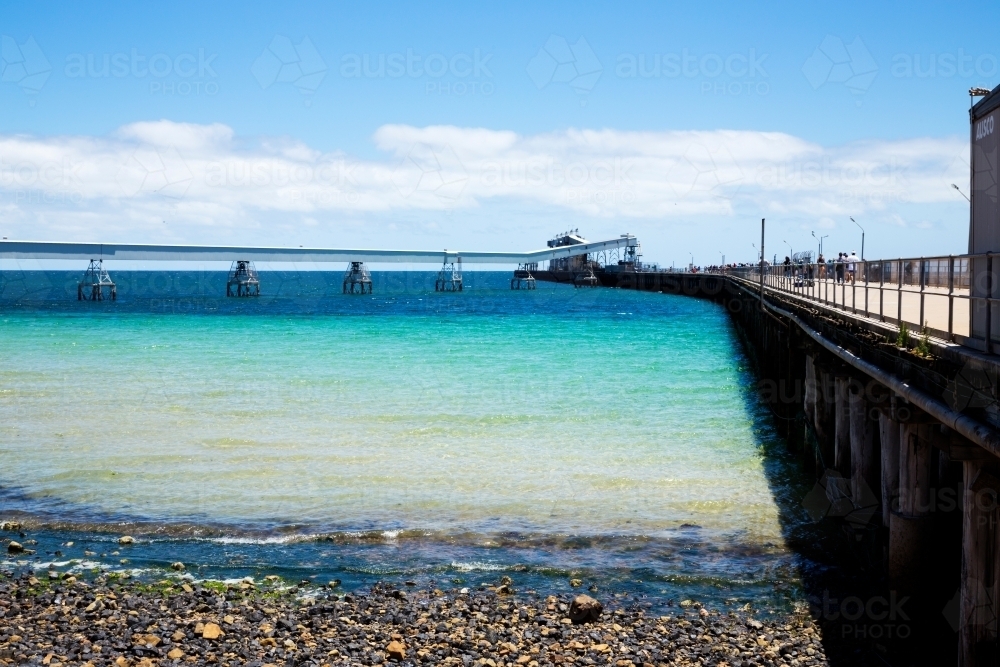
x,y
606,435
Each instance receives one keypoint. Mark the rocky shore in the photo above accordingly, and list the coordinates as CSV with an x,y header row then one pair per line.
x,y
57,620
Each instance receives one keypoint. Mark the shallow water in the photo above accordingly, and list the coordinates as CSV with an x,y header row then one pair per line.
x,y
602,434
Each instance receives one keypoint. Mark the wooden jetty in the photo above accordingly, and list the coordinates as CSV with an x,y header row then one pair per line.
x,y
911,427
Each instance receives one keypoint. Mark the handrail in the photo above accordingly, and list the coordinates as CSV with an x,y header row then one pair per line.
x,y
949,297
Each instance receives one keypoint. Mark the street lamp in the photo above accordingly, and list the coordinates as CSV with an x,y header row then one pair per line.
x,y
957,189
862,238
820,239
790,250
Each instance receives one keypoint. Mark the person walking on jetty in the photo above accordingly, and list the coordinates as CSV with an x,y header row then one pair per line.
x,y
821,265
838,267
852,265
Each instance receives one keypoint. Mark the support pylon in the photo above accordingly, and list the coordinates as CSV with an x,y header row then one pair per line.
x,y
522,276
243,279
357,280
450,276
94,283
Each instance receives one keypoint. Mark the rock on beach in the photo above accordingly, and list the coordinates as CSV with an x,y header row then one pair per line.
x,y
211,631
585,609
396,650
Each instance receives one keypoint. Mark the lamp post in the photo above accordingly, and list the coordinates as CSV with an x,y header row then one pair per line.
x,y
820,239
957,189
762,264
790,250
862,239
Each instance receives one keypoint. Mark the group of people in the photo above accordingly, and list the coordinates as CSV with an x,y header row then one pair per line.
x,y
724,268
845,267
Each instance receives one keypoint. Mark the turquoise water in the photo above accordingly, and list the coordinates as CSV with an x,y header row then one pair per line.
x,y
602,434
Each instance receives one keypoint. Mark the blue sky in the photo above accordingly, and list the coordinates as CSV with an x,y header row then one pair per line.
x,y
300,123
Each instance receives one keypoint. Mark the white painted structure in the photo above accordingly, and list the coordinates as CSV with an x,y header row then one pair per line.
x,y
145,252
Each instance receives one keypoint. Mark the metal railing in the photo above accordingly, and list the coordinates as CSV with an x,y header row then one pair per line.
x,y
953,298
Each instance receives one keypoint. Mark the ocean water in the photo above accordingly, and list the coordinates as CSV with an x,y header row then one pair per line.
x,y
606,435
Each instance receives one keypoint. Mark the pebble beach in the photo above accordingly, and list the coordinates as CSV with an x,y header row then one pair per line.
x,y
59,620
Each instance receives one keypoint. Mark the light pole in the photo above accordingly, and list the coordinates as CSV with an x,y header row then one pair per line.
x,y
862,238
723,257
961,193
762,264
820,239
790,250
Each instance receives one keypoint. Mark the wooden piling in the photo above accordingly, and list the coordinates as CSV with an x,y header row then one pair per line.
x,y
866,486
978,608
825,414
909,527
889,449
841,426
809,395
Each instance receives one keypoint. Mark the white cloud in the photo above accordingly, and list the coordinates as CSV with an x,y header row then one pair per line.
x,y
203,177
182,136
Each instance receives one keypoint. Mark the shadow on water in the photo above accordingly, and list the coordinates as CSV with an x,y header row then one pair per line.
x,y
840,563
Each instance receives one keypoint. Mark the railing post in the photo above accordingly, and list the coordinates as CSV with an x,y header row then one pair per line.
x,y
854,289
881,291
864,265
899,293
843,290
835,286
824,292
923,280
951,298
